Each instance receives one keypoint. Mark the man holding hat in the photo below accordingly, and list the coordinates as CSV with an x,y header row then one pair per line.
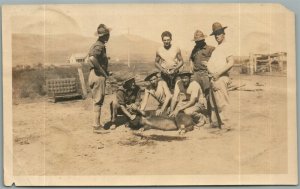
x,y
98,72
188,97
159,90
201,53
127,102
219,65
168,59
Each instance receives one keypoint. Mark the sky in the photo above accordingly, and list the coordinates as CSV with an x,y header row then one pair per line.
x,y
252,28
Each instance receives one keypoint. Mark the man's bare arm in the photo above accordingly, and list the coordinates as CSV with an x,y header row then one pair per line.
x,y
126,112
180,60
187,105
168,96
157,63
144,101
226,68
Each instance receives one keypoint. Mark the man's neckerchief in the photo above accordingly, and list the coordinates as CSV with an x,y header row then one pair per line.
x,y
199,45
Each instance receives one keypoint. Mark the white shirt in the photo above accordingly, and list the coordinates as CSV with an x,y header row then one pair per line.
x,y
168,57
193,91
218,58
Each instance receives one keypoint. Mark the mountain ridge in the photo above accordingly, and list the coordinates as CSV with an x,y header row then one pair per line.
x,y
31,49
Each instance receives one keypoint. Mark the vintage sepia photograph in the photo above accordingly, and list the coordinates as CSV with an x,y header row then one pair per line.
x,y
149,94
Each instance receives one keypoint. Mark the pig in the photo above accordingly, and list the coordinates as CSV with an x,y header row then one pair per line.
x,y
182,122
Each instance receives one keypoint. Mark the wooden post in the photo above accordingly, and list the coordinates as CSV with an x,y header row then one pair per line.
x,y
82,82
251,63
270,63
280,62
255,64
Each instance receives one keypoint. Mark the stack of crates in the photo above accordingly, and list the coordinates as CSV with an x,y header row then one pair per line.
x,y
62,88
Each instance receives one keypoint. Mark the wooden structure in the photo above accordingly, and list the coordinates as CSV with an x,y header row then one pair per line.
x,y
265,62
56,86
62,88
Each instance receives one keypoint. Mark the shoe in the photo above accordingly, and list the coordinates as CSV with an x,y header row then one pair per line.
x,y
214,125
201,122
113,127
98,129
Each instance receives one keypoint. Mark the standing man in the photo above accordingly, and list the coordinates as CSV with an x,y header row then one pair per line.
x,y
98,72
219,65
158,89
188,97
201,53
168,60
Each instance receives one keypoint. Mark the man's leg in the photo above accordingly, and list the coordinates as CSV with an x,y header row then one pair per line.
x,y
195,112
114,108
168,80
97,115
98,93
222,99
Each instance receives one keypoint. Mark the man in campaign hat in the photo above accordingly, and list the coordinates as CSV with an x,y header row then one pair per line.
x,y
219,65
201,53
98,62
159,90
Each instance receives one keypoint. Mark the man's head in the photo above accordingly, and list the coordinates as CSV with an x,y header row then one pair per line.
x,y
103,32
152,79
185,78
218,32
199,37
166,38
129,83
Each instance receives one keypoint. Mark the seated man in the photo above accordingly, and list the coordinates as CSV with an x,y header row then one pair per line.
x,y
188,97
159,90
127,102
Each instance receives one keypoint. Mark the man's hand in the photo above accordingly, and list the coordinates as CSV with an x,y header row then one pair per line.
x,y
165,71
158,112
215,76
202,102
214,86
174,113
132,107
171,71
132,117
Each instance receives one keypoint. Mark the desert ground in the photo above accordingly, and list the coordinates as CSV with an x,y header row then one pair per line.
x,y
57,138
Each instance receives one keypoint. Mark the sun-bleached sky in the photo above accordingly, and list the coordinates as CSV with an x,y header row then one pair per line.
x,y
257,28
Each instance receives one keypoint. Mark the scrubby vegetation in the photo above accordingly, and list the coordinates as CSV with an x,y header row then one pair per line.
x,y
30,81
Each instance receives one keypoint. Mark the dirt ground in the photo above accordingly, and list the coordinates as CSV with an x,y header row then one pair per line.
x,y
57,139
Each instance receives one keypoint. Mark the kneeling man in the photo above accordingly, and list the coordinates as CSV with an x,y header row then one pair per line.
x,y
159,90
188,98
127,102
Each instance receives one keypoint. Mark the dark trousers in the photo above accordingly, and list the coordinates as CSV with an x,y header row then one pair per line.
x,y
203,80
169,79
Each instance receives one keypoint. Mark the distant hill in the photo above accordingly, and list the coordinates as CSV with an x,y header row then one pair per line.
x,y
31,49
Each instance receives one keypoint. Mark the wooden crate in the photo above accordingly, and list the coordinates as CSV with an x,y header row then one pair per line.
x,y
62,88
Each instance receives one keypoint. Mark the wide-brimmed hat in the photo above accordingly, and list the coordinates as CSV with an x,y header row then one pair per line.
x,y
128,79
184,73
123,77
217,27
198,36
148,77
102,30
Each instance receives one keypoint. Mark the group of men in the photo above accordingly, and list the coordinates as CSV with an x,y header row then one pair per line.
x,y
200,92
